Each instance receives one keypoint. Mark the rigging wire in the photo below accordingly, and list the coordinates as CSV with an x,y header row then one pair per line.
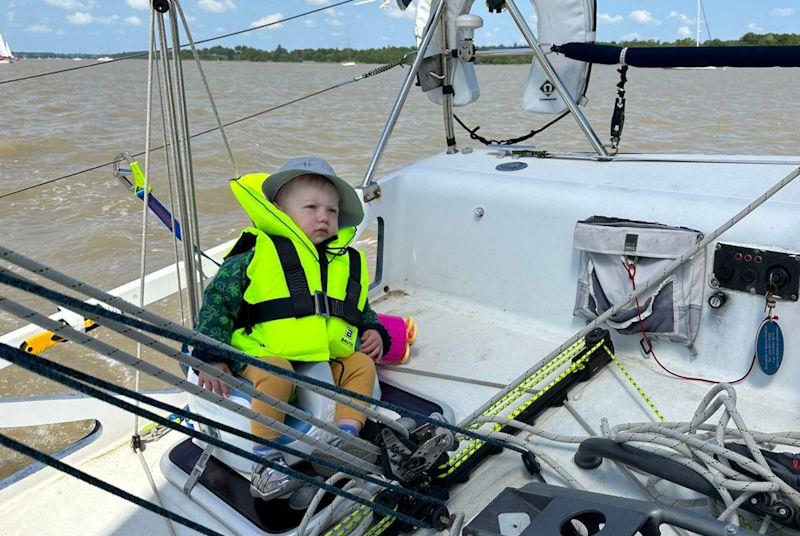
x,y
202,41
705,18
374,72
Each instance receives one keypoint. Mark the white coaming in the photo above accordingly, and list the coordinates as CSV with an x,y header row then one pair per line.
x,y
518,258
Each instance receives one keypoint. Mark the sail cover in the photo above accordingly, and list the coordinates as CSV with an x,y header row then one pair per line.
x,y
661,57
560,21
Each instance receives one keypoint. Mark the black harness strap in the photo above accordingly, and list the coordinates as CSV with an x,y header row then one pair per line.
x,y
301,302
347,309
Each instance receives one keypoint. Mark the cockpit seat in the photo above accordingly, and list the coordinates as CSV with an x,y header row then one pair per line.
x,y
307,400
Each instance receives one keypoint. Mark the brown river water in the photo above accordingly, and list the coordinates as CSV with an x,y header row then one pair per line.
x,y
89,226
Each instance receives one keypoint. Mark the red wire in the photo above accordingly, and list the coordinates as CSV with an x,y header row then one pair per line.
x,y
631,269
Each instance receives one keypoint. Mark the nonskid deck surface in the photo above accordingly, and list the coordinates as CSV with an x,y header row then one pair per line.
x,y
455,338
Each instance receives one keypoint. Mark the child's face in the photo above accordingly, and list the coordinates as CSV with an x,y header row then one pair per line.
x,y
315,209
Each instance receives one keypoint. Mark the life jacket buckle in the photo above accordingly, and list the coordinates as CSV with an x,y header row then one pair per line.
x,y
322,305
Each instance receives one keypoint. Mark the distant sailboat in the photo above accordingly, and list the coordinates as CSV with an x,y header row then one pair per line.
x,y
350,62
6,56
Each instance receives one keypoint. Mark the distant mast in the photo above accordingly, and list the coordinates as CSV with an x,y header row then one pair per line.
x,y
697,41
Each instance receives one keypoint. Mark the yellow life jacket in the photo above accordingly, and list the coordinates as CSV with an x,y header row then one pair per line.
x,y
303,301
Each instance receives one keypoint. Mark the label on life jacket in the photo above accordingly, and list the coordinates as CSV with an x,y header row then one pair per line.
x,y
769,346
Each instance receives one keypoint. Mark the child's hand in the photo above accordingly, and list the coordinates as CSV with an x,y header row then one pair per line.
x,y
209,382
372,344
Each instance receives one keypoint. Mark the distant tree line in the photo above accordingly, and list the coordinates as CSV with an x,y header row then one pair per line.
x,y
390,54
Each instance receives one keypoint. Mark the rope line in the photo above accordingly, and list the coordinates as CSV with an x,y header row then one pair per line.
x,y
639,390
215,347
65,371
207,40
703,448
374,72
105,486
52,371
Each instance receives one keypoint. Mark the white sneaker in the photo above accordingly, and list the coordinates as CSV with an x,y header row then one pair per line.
x,y
267,483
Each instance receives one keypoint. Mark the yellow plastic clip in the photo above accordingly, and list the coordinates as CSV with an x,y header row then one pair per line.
x,y
138,177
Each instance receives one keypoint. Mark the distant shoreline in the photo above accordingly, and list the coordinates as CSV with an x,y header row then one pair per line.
x,y
391,54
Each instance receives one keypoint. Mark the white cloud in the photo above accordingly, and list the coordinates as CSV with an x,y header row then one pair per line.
x,y
684,32
610,19
334,22
309,23
269,19
40,28
680,16
631,37
336,34
755,28
782,12
142,5
80,18
642,16
133,20
217,6
318,2
67,4
394,12
10,17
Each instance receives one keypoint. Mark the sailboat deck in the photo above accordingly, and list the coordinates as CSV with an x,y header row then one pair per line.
x,y
455,339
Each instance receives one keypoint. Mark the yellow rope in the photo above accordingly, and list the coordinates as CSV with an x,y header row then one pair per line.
x,y
471,447
346,525
635,385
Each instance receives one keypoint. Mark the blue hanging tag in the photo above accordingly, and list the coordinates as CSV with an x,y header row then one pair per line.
x,y
769,346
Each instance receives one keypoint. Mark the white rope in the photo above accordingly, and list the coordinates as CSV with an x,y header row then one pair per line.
x,y
355,487
702,447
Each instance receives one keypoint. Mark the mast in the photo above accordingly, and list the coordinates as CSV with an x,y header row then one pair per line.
x,y
697,40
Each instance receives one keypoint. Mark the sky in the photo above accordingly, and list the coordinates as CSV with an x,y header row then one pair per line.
x,y
106,26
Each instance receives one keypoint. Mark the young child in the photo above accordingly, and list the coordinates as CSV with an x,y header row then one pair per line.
x,y
292,290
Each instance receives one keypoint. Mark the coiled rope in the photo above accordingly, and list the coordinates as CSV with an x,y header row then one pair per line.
x,y
702,447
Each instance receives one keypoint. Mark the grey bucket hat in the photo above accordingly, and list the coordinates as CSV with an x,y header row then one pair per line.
x,y
350,210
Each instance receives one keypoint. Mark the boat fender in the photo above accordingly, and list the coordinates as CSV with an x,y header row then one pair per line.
x,y
769,345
